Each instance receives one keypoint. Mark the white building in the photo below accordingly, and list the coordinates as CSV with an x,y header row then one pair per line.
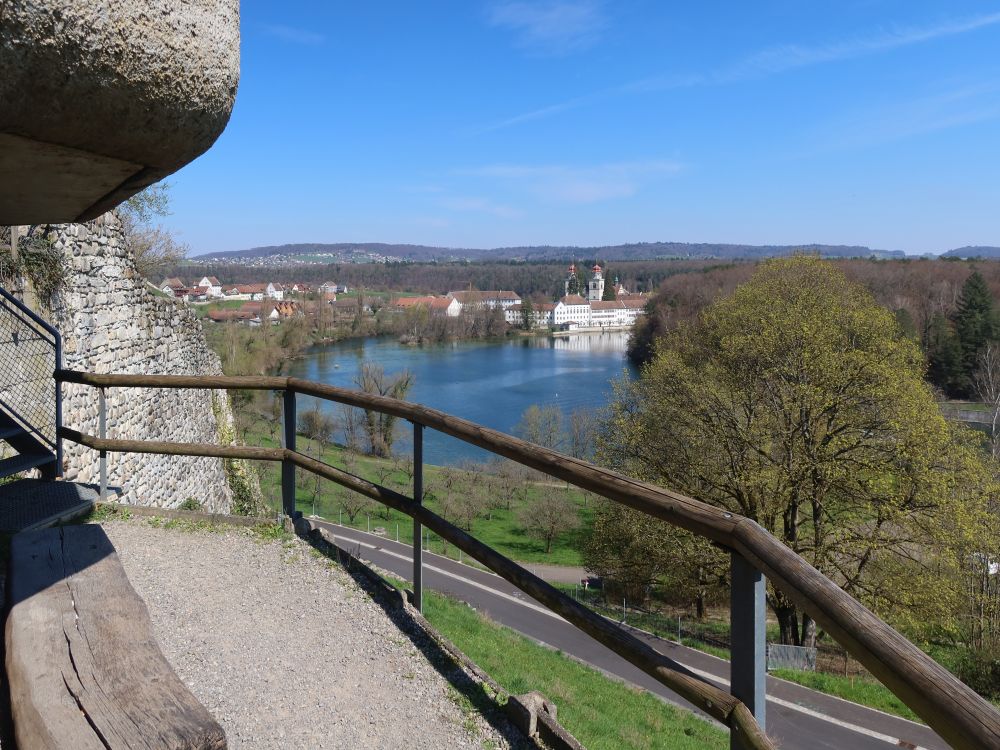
x,y
542,315
275,291
491,298
212,285
571,310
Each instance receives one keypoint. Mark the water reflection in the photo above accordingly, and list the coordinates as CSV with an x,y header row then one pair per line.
x,y
487,382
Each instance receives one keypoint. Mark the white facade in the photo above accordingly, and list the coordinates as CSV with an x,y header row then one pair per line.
x,y
541,315
275,291
212,286
595,287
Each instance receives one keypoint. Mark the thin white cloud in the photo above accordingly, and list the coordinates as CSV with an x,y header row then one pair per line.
x,y
956,107
293,35
480,205
551,27
771,61
578,184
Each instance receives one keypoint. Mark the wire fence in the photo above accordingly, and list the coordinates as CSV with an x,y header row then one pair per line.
x,y
27,362
708,635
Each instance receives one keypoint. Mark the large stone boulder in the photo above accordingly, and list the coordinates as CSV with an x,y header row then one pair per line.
x,y
100,98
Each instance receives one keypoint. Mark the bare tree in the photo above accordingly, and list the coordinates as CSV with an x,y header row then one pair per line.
x,y
154,248
350,419
550,516
541,425
986,383
583,424
380,428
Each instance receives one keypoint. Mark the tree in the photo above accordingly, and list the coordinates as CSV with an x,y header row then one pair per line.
x,y
541,425
318,426
380,428
154,248
986,386
974,324
353,503
549,517
527,315
631,552
944,356
609,294
583,425
798,403
573,286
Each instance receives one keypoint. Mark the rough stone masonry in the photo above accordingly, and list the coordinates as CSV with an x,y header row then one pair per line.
x,y
112,323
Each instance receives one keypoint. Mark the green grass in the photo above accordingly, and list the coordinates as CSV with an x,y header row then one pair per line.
x,y
602,713
856,689
502,531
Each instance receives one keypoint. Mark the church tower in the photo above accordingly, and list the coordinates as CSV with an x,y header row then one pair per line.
x,y
595,287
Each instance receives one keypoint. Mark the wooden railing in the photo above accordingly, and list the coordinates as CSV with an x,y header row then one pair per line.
x,y
953,710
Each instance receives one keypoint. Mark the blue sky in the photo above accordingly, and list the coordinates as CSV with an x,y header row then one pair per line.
x,y
491,123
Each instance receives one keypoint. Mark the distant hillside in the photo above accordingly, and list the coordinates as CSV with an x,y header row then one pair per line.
x,y
973,251
637,251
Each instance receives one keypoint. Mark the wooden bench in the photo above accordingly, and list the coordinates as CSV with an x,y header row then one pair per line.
x,y
83,668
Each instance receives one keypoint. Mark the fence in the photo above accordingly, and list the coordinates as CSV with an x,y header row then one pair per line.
x,y
951,708
30,351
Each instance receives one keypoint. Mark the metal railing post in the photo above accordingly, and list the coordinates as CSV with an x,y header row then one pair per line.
x,y
58,406
288,442
418,497
102,433
748,640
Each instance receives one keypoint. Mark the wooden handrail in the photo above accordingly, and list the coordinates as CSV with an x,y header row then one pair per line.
x,y
952,709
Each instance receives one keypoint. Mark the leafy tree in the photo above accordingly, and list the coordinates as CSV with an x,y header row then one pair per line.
x,y
797,402
527,314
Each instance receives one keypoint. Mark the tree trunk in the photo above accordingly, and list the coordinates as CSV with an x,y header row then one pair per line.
x,y
808,631
788,623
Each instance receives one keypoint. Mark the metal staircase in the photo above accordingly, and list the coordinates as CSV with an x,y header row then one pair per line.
x,y
30,399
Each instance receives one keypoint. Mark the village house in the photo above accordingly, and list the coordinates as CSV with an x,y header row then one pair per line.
x,y
212,286
275,291
170,285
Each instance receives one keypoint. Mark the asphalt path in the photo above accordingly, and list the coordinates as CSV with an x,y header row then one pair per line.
x,y
796,716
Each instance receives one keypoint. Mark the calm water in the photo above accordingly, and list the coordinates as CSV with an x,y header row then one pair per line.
x,y
489,383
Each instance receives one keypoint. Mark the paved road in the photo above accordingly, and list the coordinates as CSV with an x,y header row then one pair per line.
x,y
797,717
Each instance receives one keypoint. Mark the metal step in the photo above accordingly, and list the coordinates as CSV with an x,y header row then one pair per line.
x,y
23,462
35,503
13,430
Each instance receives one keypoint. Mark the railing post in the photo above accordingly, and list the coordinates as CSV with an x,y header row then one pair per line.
x,y
288,442
418,497
58,405
748,656
102,433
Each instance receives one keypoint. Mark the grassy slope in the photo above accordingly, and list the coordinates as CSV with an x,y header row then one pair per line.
x,y
502,531
602,713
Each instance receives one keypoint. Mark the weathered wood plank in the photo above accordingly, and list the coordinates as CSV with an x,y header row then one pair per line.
x,y
83,667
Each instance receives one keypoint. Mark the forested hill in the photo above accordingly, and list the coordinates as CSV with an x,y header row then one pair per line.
x,y
973,251
636,251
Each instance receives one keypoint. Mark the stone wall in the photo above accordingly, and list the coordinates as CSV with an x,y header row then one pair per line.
x,y
111,322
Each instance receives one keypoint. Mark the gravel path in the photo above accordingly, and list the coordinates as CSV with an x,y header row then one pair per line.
x,y
286,650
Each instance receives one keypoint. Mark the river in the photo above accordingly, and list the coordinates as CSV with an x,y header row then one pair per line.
x,y
491,383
